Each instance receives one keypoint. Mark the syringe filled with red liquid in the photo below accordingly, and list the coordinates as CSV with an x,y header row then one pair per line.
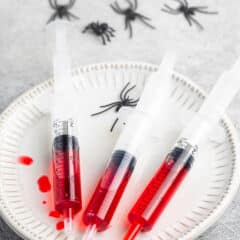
x,y
65,150
173,170
111,186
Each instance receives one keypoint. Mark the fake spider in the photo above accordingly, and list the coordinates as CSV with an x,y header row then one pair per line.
x,y
125,101
188,12
102,30
61,10
131,15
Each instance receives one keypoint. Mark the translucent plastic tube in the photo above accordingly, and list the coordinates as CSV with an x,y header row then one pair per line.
x,y
65,150
161,188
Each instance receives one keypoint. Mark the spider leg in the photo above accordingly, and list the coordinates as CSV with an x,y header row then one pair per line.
x,y
188,19
181,2
112,29
110,104
103,39
135,5
55,3
200,7
200,26
146,23
132,105
67,16
114,124
170,12
116,8
130,29
52,18
52,4
205,12
125,94
86,28
105,110
126,23
130,4
133,101
111,33
123,90
73,16
107,36
71,3
144,17
185,3
168,8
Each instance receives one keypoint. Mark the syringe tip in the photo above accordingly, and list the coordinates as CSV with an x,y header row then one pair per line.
x,y
133,231
68,226
68,221
90,232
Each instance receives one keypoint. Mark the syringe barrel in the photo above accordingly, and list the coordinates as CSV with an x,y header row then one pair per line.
x,y
109,190
66,167
65,149
162,186
221,95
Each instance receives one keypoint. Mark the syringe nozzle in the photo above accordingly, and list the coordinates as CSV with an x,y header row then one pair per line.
x,y
68,222
133,232
90,232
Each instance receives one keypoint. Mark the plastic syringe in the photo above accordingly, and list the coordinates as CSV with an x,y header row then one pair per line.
x,y
65,150
178,162
119,169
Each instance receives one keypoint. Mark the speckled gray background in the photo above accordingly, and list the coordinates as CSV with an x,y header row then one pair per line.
x,y
25,56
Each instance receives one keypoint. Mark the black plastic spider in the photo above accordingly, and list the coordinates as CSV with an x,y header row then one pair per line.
x,y
187,11
125,101
102,30
131,15
61,10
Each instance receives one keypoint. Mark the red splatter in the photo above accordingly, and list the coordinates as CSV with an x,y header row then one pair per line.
x,y
44,184
54,214
60,225
25,160
44,202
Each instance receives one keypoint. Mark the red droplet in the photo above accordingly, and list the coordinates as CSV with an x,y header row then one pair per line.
x,y
44,184
44,202
60,225
25,160
54,214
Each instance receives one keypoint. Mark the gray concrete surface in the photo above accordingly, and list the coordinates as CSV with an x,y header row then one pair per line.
x,y
25,56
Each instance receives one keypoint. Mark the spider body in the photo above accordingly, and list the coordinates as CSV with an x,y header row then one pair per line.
x,y
188,12
61,10
131,15
102,30
124,101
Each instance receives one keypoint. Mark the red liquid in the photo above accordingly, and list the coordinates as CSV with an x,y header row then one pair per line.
x,y
66,175
157,194
44,184
44,202
60,225
54,214
109,191
25,160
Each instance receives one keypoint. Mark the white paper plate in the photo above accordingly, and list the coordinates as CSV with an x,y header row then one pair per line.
x,y
25,130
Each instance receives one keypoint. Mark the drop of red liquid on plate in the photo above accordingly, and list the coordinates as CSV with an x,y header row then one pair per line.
x,y
44,184
25,160
54,214
60,225
44,202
